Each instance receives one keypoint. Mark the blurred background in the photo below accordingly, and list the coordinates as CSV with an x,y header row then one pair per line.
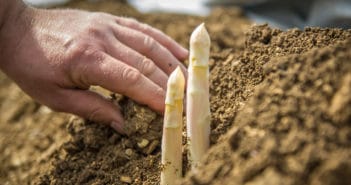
x,y
281,14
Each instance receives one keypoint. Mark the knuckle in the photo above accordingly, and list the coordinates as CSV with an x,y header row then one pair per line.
x,y
93,31
94,53
149,44
145,28
131,21
84,50
147,67
119,20
76,50
95,58
95,25
80,58
131,75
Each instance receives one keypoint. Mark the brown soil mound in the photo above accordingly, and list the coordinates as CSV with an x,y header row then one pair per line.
x,y
282,98
295,129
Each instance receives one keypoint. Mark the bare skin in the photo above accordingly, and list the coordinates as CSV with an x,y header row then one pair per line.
x,y
56,55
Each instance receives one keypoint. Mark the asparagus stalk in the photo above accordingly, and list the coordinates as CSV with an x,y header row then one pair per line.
x,y
198,105
172,129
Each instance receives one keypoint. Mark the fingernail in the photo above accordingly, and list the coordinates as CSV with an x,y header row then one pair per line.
x,y
185,52
118,127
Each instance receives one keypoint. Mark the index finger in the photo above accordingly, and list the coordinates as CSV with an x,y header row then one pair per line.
x,y
176,49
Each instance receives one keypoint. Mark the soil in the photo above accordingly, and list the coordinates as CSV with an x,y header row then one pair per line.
x,y
280,103
295,128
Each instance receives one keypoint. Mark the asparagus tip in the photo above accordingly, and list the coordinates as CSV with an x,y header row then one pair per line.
x,y
176,81
200,36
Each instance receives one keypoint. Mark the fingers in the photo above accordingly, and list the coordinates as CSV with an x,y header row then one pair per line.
x,y
116,76
149,47
177,50
92,106
138,61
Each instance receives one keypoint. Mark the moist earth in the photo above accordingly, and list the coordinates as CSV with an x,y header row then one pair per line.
x,y
280,103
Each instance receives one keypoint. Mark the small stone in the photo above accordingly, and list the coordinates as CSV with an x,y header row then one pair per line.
x,y
126,179
129,152
152,146
45,110
143,143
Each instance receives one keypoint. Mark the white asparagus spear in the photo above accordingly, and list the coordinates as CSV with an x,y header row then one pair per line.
x,y
172,129
198,105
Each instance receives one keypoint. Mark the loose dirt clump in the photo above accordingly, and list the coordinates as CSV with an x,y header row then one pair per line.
x,y
280,103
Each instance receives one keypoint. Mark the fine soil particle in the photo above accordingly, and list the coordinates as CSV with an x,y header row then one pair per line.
x,y
280,103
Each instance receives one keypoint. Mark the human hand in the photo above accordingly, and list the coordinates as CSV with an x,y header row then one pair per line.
x,y
56,55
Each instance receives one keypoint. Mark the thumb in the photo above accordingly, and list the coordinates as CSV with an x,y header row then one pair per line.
x,y
92,106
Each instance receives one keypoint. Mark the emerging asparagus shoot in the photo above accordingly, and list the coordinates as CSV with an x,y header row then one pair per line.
x,y
198,105
172,129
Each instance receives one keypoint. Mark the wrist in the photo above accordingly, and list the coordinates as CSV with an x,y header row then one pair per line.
x,y
13,25
9,11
